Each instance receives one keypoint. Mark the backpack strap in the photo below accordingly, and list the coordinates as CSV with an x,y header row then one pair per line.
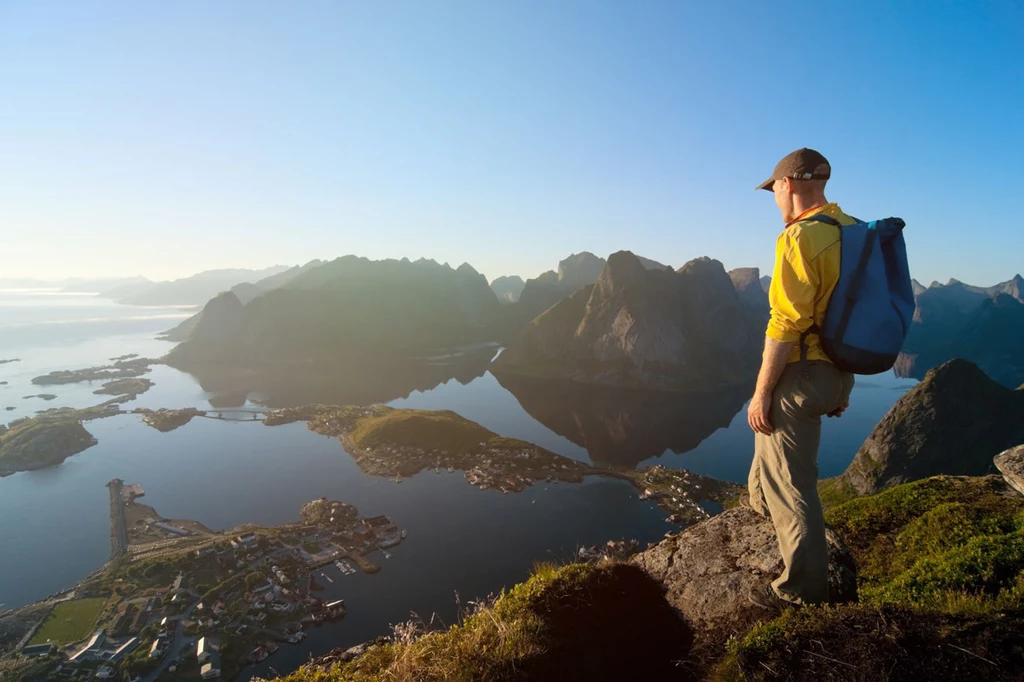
x,y
814,328
822,218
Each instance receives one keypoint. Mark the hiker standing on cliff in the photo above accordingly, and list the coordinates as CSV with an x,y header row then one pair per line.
x,y
797,384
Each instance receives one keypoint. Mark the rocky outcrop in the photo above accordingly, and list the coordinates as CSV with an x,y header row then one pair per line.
x,y
1010,464
508,288
953,422
982,324
710,568
641,328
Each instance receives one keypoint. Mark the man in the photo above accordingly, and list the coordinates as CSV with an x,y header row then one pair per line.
x,y
797,383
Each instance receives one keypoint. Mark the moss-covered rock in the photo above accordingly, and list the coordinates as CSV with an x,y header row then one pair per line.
x,y
937,542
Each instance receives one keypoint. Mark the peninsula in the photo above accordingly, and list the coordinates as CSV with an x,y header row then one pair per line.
x,y
398,443
48,438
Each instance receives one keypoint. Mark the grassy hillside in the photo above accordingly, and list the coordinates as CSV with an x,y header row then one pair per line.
x,y
941,571
412,428
941,580
37,442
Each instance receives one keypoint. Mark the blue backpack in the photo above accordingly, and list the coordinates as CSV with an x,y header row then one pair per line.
x,y
872,306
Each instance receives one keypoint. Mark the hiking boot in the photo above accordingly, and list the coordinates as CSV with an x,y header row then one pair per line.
x,y
765,598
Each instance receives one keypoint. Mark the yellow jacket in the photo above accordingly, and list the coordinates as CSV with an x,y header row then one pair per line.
x,y
806,272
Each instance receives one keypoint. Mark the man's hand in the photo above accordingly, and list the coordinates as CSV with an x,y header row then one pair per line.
x,y
757,412
838,412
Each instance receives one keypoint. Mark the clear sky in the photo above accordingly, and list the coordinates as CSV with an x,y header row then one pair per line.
x,y
164,138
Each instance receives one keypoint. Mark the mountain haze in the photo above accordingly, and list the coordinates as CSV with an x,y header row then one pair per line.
x,y
347,309
194,290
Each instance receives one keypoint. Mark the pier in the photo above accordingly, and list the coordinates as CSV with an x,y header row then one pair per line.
x,y
118,530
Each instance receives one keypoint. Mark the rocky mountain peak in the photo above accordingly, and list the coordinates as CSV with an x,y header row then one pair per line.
x,y
580,269
622,270
953,422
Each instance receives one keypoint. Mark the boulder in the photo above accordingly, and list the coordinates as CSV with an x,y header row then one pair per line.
x,y
710,568
1011,465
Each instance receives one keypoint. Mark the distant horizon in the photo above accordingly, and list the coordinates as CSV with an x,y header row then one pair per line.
x,y
175,138
762,271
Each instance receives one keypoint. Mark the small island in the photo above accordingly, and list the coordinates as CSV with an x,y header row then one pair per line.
x,y
208,602
41,396
4,362
165,420
133,387
48,438
123,369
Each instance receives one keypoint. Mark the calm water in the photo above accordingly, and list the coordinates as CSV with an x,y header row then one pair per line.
x,y
54,528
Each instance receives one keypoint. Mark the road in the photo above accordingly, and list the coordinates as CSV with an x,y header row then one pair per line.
x,y
178,643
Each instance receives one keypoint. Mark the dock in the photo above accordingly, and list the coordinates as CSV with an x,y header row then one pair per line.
x,y
118,530
365,564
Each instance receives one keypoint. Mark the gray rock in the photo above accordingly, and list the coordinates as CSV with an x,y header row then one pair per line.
x,y
710,568
1011,465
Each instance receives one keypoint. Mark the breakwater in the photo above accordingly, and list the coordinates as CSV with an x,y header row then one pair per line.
x,y
118,531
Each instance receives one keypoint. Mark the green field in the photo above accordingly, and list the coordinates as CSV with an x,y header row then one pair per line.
x,y
70,621
417,428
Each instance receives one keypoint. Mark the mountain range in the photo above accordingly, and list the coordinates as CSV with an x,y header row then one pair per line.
x,y
982,324
625,321
574,272
644,328
350,308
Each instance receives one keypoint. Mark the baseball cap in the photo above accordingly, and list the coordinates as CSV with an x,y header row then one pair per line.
x,y
803,164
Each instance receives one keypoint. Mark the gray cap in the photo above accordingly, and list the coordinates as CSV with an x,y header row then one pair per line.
x,y
803,164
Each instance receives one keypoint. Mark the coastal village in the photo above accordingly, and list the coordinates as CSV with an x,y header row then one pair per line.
x,y
181,602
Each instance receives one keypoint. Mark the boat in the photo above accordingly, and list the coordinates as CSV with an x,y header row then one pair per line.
x,y
403,534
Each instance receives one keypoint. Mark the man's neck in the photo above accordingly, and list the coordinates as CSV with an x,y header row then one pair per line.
x,y
802,207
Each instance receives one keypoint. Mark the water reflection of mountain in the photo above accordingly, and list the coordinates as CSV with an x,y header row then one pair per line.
x,y
343,383
620,427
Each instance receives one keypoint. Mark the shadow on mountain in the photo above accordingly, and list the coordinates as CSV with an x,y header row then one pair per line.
x,y
623,427
351,383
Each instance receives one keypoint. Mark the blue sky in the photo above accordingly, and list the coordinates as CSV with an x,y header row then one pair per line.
x,y
167,138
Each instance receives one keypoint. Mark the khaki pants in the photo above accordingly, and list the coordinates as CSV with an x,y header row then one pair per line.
x,y
783,478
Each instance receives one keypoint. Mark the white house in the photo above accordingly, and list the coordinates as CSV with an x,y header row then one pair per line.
x,y
211,669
